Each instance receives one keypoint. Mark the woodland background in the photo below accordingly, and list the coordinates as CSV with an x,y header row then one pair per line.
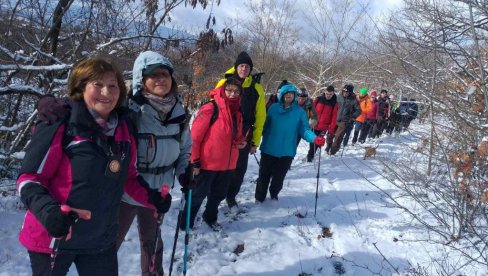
x,y
433,51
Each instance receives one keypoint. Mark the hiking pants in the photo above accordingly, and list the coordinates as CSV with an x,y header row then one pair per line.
x,y
339,135
99,264
367,127
238,174
146,226
212,185
347,133
274,169
357,128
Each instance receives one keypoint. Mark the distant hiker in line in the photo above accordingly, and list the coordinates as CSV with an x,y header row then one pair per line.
x,y
285,122
369,124
366,106
215,150
253,108
274,97
348,110
326,106
84,163
306,103
383,113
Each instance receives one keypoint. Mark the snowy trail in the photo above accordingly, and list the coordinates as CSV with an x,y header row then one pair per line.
x,y
356,230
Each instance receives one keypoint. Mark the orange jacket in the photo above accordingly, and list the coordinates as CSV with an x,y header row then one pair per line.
x,y
366,106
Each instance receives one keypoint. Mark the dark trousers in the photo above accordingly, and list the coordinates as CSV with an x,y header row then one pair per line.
x,y
147,227
358,126
212,185
367,127
238,175
312,148
274,169
347,133
100,264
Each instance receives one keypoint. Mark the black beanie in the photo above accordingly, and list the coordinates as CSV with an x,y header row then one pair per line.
x,y
283,82
243,58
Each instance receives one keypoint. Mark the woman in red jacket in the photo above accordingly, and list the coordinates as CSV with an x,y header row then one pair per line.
x,y
215,150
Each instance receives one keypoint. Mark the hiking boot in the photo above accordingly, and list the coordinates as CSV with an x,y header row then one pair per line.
x,y
231,203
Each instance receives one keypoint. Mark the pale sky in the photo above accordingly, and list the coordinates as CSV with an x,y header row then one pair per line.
x,y
229,10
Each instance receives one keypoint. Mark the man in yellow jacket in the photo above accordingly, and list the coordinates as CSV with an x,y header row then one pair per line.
x,y
253,108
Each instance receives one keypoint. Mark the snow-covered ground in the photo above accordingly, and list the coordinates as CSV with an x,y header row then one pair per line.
x,y
356,229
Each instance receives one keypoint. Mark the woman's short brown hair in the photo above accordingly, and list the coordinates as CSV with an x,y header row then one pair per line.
x,y
91,69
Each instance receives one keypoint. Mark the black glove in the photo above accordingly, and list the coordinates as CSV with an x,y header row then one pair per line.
x,y
50,109
186,179
162,204
58,223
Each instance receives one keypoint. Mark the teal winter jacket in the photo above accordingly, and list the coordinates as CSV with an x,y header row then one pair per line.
x,y
283,126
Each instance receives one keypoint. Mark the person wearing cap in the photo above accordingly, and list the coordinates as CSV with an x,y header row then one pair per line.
x,y
253,108
326,106
348,111
215,150
163,147
366,106
285,121
367,130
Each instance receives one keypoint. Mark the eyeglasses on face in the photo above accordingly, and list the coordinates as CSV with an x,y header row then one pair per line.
x,y
232,91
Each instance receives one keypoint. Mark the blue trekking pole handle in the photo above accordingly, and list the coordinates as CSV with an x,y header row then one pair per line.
x,y
187,232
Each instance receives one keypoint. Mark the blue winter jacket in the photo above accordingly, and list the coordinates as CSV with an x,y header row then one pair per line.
x,y
283,127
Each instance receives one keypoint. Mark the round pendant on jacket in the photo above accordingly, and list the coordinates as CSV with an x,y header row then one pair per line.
x,y
114,166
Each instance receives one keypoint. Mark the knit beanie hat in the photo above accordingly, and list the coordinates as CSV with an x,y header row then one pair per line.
x,y
243,58
283,82
363,91
349,88
373,93
302,92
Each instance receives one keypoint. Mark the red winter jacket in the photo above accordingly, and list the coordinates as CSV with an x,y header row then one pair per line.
x,y
326,113
371,115
215,146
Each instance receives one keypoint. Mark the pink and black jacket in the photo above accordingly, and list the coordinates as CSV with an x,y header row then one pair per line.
x,y
66,163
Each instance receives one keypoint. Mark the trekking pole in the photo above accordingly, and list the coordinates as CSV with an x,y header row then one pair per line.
x,y
187,231
257,161
178,222
78,213
317,188
342,152
152,266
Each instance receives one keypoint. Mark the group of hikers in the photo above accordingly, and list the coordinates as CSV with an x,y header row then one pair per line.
x,y
105,155
365,114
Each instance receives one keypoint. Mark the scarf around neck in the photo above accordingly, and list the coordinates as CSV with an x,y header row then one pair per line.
x,y
162,105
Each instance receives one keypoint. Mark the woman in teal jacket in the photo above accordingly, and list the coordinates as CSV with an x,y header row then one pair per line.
x,y
285,122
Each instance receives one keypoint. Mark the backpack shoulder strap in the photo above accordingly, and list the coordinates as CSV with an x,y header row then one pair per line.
x,y
215,113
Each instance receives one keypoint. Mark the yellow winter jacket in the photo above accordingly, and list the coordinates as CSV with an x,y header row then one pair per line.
x,y
260,110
